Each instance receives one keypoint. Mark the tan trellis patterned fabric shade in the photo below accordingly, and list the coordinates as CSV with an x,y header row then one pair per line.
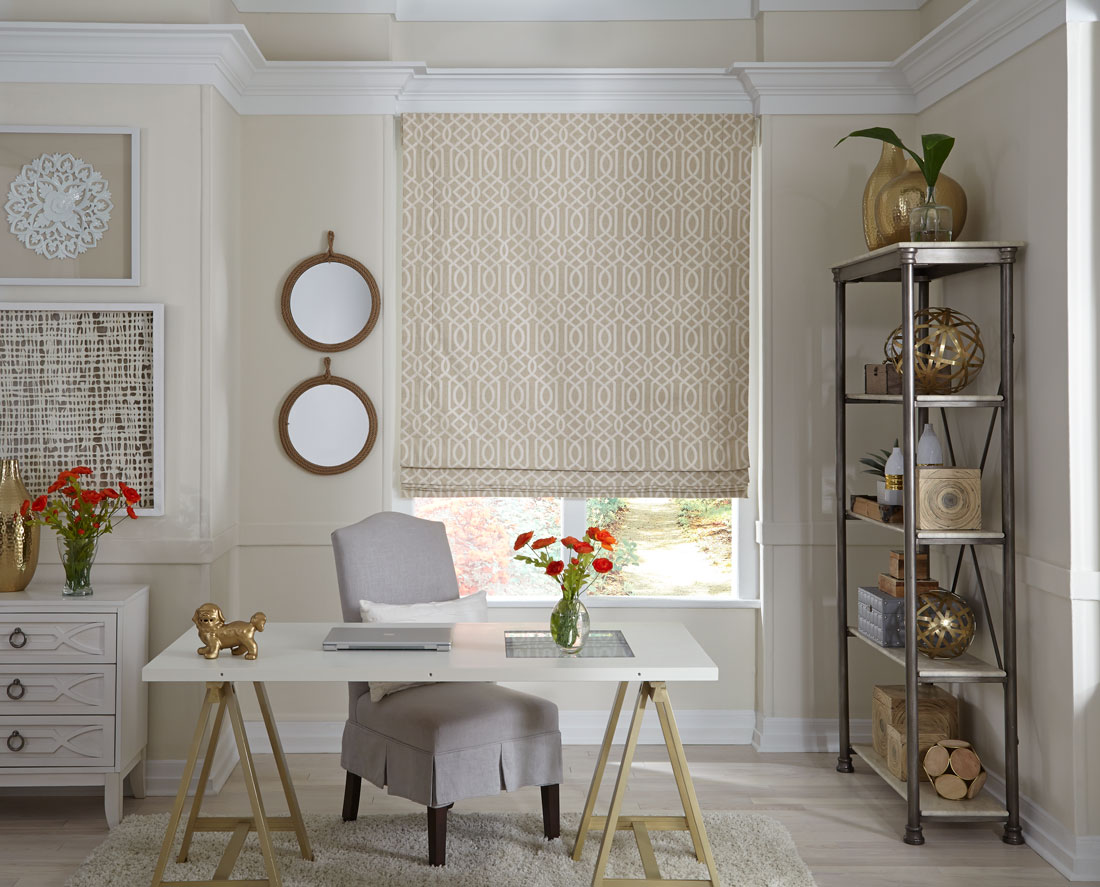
x,y
575,304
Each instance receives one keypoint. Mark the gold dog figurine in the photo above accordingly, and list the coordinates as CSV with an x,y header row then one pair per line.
x,y
217,634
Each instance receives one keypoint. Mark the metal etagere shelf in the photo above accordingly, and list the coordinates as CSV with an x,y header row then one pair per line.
x,y
913,265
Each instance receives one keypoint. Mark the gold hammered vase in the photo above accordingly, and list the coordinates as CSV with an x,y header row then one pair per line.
x,y
909,190
18,538
891,164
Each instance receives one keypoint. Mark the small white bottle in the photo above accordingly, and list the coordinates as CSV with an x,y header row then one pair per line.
x,y
929,450
895,473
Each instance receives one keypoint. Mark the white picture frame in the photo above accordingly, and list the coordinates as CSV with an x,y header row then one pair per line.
x,y
132,207
155,462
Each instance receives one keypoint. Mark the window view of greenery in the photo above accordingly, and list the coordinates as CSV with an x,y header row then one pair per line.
x,y
666,547
481,533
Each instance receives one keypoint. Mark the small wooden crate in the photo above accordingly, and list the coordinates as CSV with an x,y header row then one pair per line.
x,y
895,749
937,712
868,507
896,587
881,378
897,565
949,499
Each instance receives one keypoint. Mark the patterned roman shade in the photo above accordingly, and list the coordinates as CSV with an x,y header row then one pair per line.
x,y
575,304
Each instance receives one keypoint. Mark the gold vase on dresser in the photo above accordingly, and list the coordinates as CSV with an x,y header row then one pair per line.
x,y
891,164
18,538
909,190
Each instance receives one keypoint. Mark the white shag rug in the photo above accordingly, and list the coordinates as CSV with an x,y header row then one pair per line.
x,y
482,849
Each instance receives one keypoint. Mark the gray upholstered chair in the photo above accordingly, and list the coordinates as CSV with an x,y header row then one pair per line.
x,y
445,742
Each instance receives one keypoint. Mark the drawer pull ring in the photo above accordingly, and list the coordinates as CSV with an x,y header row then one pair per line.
x,y
17,635
16,741
16,690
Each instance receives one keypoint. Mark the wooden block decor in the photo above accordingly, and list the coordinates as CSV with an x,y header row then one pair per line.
x,y
954,769
881,378
949,499
896,587
868,507
895,749
937,713
897,565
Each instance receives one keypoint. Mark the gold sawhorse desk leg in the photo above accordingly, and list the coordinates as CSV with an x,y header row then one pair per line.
x,y
691,821
224,695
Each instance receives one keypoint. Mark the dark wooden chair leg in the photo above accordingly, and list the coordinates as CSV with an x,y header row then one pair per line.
x,y
437,835
351,797
551,812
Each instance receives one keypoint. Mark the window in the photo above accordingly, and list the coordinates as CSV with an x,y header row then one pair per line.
x,y
675,548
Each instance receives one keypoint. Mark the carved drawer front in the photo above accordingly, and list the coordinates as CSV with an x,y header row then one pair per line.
x,y
57,690
59,638
54,741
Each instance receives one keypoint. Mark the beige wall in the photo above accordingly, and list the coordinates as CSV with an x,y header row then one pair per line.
x,y
835,36
1015,179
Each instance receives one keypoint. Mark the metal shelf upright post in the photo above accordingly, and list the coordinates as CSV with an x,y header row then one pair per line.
x,y
913,265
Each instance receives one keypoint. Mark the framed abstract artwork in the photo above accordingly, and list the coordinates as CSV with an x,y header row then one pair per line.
x,y
83,384
71,199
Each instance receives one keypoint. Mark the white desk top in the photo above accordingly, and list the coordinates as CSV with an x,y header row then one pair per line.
x,y
290,651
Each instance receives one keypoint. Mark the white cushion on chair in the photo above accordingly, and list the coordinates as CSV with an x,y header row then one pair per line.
x,y
472,608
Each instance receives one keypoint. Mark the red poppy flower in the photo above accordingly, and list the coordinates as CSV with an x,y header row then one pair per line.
x,y
574,561
81,469
91,497
55,486
39,504
570,541
602,565
130,511
554,568
521,540
109,493
542,543
129,493
583,548
80,532
593,533
69,491
24,508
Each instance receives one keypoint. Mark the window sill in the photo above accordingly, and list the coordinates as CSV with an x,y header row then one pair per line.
x,y
633,603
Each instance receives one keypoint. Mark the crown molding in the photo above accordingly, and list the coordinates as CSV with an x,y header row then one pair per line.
x,y
980,36
679,90
825,88
974,40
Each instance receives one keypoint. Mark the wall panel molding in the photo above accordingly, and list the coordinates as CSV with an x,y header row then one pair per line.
x,y
977,38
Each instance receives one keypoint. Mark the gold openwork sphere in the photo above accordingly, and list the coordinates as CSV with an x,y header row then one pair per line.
x,y
948,350
945,624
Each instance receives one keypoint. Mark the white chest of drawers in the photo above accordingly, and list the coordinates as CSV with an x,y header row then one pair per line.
x,y
73,707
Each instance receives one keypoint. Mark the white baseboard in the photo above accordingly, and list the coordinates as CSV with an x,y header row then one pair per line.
x,y
805,734
1076,857
163,777
697,727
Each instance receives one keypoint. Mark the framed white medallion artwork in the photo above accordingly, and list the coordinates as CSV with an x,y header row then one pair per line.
x,y
83,384
71,205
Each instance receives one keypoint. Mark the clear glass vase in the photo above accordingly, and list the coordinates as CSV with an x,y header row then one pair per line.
x,y
930,221
569,624
77,556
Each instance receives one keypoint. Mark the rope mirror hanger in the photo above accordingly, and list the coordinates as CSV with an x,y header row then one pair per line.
x,y
328,294
327,424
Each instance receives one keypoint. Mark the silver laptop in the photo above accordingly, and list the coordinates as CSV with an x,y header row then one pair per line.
x,y
389,636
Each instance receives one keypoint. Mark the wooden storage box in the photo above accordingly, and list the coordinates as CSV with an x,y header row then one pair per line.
x,y
896,587
881,378
897,565
937,713
949,499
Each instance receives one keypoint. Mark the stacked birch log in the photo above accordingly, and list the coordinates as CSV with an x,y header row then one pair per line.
x,y
954,769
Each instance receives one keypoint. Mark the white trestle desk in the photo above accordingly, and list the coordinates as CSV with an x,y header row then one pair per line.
x,y
663,652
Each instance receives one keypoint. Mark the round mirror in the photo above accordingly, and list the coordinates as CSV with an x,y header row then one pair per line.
x,y
327,424
330,301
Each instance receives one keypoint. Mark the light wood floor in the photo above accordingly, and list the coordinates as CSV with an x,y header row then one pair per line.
x,y
846,827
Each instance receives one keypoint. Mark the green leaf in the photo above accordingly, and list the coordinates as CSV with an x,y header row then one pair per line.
x,y
885,134
936,147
